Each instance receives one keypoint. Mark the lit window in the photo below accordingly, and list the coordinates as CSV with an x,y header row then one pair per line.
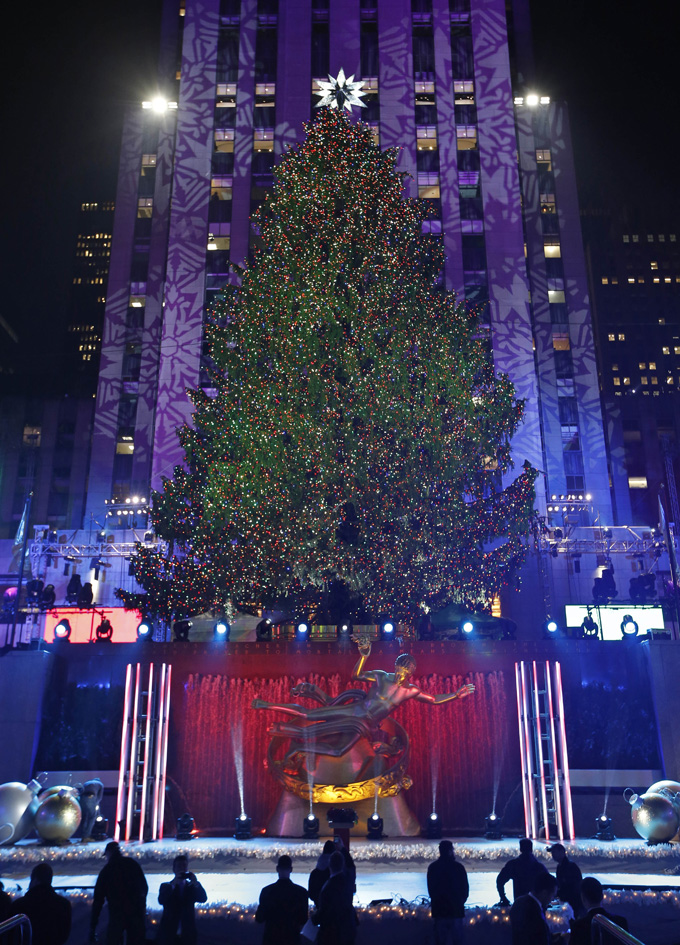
x,y
666,350
622,337
262,88
650,238
662,238
676,350
626,382
612,337
125,448
543,156
31,436
652,365
561,342
144,207
637,482
642,365
654,265
224,139
547,203
669,380
428,186
656,279
626,239
466,137
263,139
617,382
556,296
552,250
636,238
426,137
615,367
667,279
655,382
642,279
631,278
643,381
605,280
221,188
615,280
672,238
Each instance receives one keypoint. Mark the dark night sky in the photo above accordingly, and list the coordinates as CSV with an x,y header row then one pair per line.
x,y
74,67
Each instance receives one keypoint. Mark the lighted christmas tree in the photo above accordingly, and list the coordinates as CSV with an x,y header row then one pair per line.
x,y
358,433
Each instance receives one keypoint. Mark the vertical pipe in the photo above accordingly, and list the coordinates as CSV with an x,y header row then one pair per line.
x,y
164,757
569,811
539,747
522,750
553,748
527,738
132,775
158,747
147,751
123,752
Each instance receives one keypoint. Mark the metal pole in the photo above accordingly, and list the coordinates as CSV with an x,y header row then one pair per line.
x,y
26,515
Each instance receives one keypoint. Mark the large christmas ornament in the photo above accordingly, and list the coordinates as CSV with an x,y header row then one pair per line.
x,y
656,813
58,815
18,804
341,92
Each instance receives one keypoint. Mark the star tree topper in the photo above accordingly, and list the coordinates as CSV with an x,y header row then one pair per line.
x,y
341,92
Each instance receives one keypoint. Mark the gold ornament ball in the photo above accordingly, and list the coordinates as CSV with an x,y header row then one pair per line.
x,y
58,817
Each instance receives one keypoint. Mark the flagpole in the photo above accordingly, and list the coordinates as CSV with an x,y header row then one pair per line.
x,y
25,517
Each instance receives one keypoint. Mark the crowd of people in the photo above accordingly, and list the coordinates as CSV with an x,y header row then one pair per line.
x,y
283,907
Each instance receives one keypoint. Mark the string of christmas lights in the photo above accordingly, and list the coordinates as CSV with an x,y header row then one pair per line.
x,y
358,432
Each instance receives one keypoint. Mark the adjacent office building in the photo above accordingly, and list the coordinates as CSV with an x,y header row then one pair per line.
x,y
448,82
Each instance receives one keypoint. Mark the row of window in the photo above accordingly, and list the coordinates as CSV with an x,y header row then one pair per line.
x,y
635,238
640,280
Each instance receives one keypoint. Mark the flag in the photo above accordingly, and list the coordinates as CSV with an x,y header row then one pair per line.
x,y
20,537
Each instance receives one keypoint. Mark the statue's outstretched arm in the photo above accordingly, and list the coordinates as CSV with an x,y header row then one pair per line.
x,y
461,693
364,652
311,691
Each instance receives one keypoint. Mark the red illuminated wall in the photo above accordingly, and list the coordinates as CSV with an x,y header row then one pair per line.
x,y
85,622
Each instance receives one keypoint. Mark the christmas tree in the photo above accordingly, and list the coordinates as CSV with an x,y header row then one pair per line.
x,y
357,435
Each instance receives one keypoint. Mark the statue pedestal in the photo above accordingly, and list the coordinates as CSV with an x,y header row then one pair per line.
x,y
398,821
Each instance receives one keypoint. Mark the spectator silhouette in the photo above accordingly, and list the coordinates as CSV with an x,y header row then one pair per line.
x,y
178,922
50,914
122,885
522,870
283,907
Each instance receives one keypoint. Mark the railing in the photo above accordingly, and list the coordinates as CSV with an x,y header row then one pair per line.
x,y
601,922
18,921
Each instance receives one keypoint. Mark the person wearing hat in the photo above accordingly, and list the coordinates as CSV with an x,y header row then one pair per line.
x,y
122,885
523,870
283,907
568,879
178,922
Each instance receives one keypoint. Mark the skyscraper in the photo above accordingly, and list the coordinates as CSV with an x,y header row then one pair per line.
x,y
493,155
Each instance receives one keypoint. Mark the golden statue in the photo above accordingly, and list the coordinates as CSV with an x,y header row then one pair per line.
x,y
334,729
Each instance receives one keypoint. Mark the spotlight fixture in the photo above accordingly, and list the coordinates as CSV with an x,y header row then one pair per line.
x,y
467,628
263,631
343,629
589,628
301,630
433,828
243,828
181,629
374,827
629,627
310,827
604,830
550,629
185,827
387,628
100,829
104,631
144,631
493,827
222,631
62,631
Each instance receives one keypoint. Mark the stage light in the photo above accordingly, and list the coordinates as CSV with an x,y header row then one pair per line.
x,y
100,829
263,631
310,827
493,827
343,629
185,827
104,631
387,628
62,631
374,827
550,629
301,629
243,828
181,629
222,631
433,829
603,826
144,631
48,597
467,627
629,627
589,628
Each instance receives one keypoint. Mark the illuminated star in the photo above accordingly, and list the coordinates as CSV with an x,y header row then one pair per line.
x,y
341,92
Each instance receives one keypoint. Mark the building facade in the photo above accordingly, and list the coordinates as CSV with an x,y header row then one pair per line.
x,y
444,86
